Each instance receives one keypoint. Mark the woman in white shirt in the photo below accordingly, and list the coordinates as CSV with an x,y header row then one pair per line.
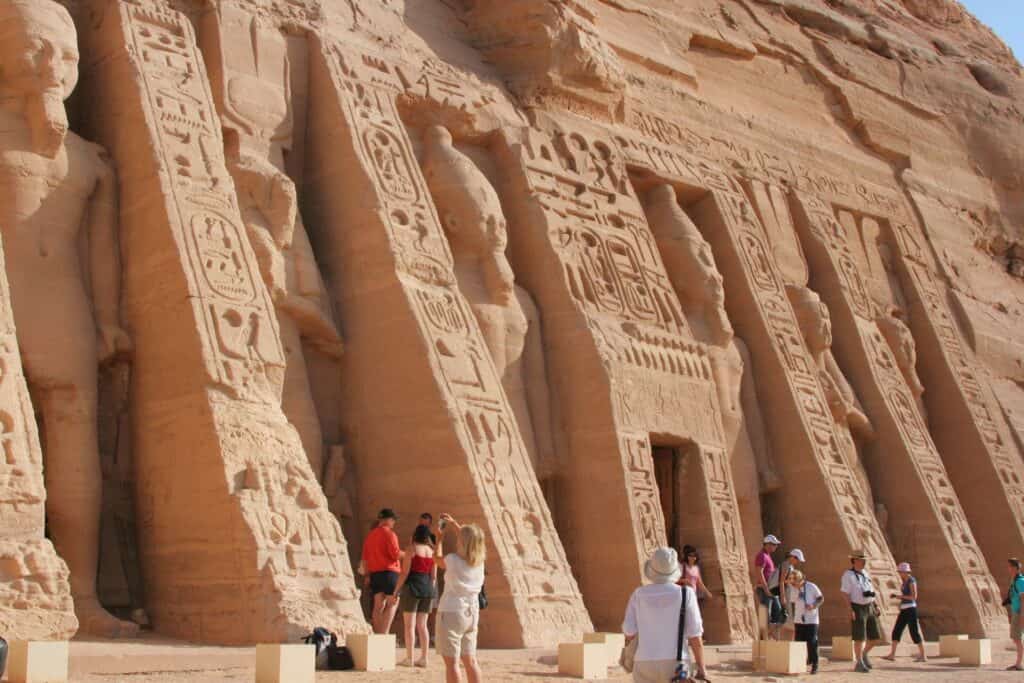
x,y
653,616
806,598
458,612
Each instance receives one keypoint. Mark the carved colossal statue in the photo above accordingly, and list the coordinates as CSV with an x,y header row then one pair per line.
x,y
54,186
475,225
695,277
258,131
904,348
816,325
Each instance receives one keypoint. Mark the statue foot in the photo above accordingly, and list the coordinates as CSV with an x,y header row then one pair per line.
x,y
93,620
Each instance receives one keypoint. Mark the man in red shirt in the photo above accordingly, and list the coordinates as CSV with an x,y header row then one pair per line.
x,y
382,558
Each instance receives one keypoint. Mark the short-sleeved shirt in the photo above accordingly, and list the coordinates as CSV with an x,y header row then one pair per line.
x,y
805,603
854,584
381,552
462,584
906,589
765,563
1016,588
653,614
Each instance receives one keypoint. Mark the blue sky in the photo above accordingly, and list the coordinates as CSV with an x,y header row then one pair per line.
x,y
1006,17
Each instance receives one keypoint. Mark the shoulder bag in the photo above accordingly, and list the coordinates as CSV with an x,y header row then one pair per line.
x,y
680,674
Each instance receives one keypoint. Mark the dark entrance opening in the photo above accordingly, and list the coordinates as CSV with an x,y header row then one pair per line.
x,y
667,471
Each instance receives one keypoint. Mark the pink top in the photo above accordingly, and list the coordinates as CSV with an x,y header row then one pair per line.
x,y
767,566
691,573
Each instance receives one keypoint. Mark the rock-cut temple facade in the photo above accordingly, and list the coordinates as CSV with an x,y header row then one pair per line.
x,y
600,276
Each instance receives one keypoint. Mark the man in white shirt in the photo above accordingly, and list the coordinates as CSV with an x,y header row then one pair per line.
x,y
806,598
653,616
859,594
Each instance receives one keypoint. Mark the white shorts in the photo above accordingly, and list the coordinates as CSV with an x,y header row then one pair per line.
x,y
455,633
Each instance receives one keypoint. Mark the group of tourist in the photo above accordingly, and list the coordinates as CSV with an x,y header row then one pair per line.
x,y
788,605
408,580
664,617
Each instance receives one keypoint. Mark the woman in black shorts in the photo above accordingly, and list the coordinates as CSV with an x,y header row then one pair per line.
x,y
415,593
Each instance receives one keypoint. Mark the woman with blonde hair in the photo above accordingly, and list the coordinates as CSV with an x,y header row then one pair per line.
x,y
458,612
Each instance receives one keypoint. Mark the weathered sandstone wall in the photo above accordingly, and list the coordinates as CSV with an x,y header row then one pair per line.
x,y
599,275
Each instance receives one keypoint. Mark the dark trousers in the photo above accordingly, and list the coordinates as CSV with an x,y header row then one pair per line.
x,y
907,618
808,633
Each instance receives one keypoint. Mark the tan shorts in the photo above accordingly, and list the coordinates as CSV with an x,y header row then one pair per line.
x,y
657,671
455,633
1016,624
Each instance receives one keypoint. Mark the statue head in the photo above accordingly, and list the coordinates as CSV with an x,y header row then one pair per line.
x,y
705,282
813,317
39,64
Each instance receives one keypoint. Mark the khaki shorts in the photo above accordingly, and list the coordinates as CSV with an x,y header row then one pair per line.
x,y
1016,624
656,671
865,626
455,633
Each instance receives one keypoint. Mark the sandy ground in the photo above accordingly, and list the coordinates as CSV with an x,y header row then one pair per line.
x,y
153,660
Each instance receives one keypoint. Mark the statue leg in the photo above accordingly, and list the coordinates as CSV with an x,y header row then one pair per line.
x,y
297,399
74,489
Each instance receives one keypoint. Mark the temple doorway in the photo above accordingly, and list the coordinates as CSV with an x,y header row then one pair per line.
x,y
667,470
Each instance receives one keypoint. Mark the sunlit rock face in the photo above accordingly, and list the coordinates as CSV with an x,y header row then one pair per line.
x,y
598,276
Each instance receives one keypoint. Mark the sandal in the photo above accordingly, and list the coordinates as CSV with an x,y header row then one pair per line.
x,y
1015,668
421,663
889,658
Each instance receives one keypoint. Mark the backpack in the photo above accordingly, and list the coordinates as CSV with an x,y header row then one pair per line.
x,y
339,658
320,639
3,656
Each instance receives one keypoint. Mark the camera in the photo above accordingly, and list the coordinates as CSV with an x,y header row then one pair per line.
x,y
441,525
869,594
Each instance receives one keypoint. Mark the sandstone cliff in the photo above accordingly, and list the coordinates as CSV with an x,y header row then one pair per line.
x,y
599,275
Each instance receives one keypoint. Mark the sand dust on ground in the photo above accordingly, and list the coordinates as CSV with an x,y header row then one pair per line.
x,y
158,661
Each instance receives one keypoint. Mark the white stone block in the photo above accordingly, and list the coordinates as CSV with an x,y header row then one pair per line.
x,y
785,657
842,649
37,662
613,644
975,652
372,651
583,660
277,663
949,646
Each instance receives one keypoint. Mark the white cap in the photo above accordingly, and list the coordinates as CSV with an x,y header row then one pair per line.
x,y
771,539
798,554
904,567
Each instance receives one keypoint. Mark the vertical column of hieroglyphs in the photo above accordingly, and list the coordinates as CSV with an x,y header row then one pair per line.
x,y
908,476
236,539
798,415
432,428
987,475
627,367
35,597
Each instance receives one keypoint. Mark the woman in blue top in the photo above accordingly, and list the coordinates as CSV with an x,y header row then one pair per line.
x,y
1013,605
908,615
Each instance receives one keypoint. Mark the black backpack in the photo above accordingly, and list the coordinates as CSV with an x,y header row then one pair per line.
x,y
329,656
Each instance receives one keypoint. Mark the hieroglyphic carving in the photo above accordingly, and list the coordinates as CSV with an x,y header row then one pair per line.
x,y
241,336
905,437
984,430
592,222
670,147
544,597
278,515
741,240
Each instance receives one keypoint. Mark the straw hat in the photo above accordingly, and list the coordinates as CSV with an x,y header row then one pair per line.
x,y
858,555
